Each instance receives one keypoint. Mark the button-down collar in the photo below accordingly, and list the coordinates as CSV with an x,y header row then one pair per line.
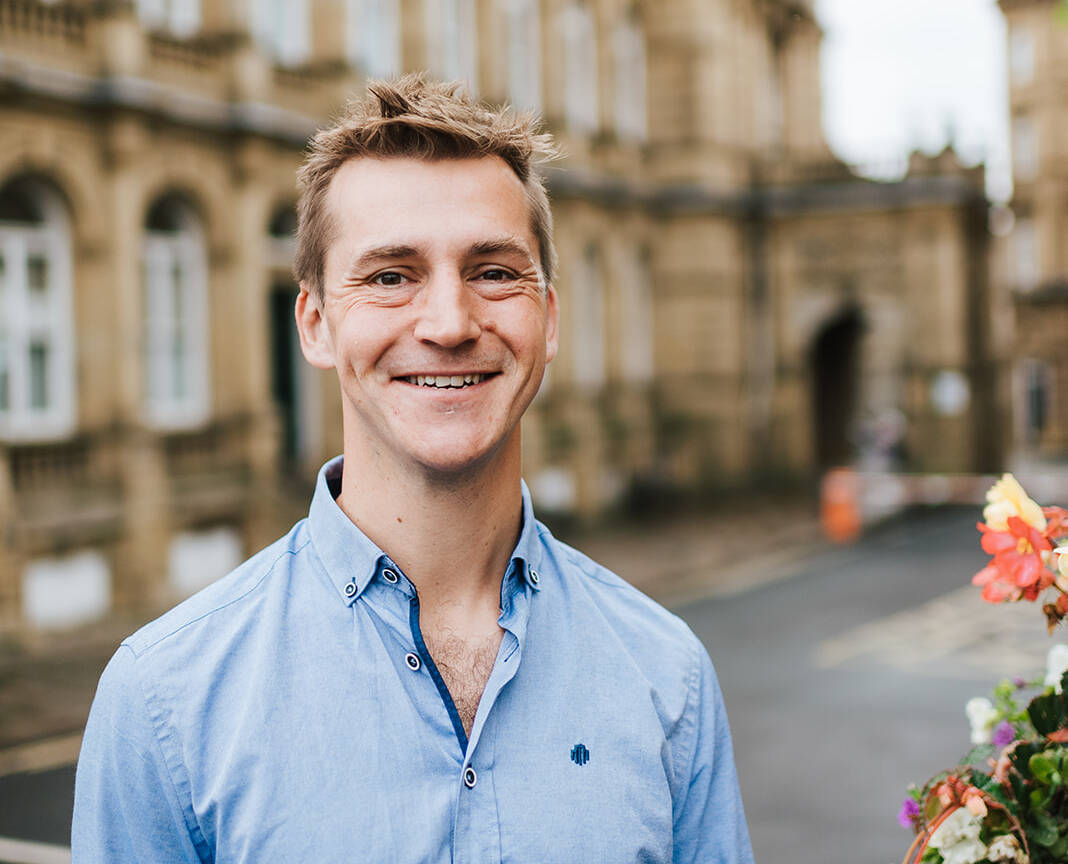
x,y
353,561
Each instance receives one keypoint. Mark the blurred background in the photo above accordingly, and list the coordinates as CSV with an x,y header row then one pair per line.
x,y
794,236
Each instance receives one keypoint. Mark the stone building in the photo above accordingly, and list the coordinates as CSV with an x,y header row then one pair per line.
x,y
1033,259
736,304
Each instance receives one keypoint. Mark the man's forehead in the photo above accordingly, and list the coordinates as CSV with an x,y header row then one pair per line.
x,y
404,206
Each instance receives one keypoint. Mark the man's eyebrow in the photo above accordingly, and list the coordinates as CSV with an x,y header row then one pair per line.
x,y
387,252
503,244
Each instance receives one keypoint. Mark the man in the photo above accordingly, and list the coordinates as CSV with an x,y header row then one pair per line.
x,y
419,671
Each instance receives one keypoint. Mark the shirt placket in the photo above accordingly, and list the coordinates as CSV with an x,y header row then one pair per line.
x,y
477,834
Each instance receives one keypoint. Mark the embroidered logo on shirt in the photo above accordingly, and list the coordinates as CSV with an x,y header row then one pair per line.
x,y
580,754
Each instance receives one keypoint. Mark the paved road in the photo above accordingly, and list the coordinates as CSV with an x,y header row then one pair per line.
x,y
848,680
845,680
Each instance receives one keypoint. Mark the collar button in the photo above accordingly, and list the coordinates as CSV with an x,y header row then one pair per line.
x,y
351,589
390,576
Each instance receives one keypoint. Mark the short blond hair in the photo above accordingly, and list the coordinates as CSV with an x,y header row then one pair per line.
x,y
415,118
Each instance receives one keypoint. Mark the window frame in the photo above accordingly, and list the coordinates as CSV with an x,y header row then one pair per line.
x,y
31,322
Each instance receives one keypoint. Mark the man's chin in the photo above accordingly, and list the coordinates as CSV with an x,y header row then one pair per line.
x,y
458,464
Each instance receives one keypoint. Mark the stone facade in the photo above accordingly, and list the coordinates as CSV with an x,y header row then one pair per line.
x,y
736,304
1033,256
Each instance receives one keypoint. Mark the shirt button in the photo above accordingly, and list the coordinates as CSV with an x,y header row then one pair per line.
x,y
413,661
390,577
350,589
534,577
470,777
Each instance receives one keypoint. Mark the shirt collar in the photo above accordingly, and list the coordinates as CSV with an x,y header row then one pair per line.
x,y
352,560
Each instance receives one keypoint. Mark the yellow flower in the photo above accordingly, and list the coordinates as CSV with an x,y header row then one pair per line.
x,y
1062,563
1007,498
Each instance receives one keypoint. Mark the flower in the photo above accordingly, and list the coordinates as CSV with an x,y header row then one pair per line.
x,y
1056,665
981,715
909,812
1061,553
1006,499
1004,735
1006,848
957,838
1017,559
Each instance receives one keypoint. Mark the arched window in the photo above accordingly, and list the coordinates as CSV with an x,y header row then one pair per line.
x,y
36,330
175,332
580,67
180,17
587,292
629,49
636,306
452,40
373,36
281,27
282,237
523,55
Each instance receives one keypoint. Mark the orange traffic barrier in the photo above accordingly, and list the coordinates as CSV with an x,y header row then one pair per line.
x,y
840,505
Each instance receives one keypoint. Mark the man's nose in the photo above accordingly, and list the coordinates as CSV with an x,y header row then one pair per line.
x,y
447,313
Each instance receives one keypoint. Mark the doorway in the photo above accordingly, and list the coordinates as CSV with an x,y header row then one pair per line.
x,y
835,368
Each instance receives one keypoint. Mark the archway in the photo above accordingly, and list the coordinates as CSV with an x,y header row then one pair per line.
x,y
834,361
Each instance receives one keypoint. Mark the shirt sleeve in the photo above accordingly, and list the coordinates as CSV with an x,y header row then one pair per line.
x,y
709,820
126,808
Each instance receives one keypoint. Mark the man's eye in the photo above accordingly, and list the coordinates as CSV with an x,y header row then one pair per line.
x,y
388,279
496,275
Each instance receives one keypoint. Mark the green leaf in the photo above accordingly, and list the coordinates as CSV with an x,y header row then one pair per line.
x,y
1021,756
1048,713
978,755
1044,832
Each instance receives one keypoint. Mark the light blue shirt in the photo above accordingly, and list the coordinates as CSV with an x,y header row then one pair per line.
x,y
291,712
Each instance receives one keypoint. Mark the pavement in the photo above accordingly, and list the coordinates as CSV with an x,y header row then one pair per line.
x,y
47,680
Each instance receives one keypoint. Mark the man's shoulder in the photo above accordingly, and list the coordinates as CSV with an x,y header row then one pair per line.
x,y
644,622
235,592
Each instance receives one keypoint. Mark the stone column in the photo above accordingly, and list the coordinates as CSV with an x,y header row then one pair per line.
x,y
141,554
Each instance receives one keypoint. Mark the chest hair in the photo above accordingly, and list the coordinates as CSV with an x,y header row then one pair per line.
x,y
465,666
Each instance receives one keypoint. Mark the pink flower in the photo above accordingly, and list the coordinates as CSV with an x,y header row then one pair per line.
x,y
1017,568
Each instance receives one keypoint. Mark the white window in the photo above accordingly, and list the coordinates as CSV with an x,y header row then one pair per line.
x,y
67,590
629,49
180,17
175,329
588,335
1025,254
373,36
1021,56
452,40
198,558
281,27
1034,393
636,300
523,27
36,329
1024,148
580,67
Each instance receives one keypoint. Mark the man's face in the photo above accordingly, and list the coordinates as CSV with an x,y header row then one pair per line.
x,y
434,313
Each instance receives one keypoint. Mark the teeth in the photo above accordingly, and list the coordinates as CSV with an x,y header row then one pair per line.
x,y
445,380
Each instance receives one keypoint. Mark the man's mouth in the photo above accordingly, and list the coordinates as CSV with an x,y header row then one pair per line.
x,y
448,381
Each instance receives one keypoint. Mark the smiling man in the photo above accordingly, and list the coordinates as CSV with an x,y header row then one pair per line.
x,y
418,671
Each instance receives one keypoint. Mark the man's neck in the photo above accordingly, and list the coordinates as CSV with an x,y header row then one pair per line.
x,y
451,536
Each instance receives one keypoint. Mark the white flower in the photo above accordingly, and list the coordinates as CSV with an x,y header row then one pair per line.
x,y
1006,848
982,716
1056,665
957,838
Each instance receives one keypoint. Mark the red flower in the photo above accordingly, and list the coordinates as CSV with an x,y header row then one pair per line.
x,y
1056,522
1017,568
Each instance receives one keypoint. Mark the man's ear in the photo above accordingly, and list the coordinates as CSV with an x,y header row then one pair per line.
x,y
552,324
315,342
